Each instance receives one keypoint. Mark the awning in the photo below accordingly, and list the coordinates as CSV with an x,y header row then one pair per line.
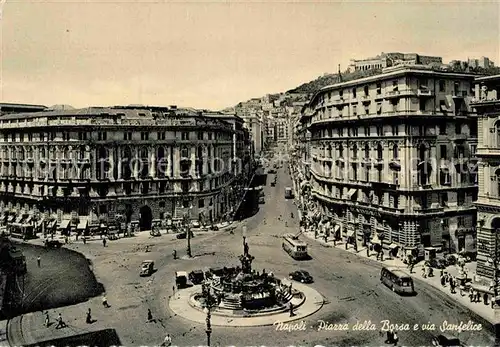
x,y
350,233
351,192
83,224
393,246
64,224
336,229
19,219
10,218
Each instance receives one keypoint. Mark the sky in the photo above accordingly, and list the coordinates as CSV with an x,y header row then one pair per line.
x,y
214,54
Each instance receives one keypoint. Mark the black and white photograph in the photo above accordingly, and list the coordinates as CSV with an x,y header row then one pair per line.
x,y
249,173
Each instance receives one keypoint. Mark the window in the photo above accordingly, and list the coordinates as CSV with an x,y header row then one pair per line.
x,y
201,203
161,135
209,136
461,198
395,152
458,128
443,152
30,137
444,199
341,151
421,105
367,91
442,105
185,188
442,129
379,88
395,86
395,178
423,83
101,136
380,152
367,151
185,135
395,130
65,136
354,93
52,136
341,132
144,136
354,110
442,86
367,131
354,131
82,136
444,177
200,135
379,108
21,137
380,130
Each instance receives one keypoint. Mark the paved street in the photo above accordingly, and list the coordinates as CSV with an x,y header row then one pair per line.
x,y
350,285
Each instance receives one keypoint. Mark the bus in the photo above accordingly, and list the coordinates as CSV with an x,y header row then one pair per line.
x,y
294,247
397,280
288,193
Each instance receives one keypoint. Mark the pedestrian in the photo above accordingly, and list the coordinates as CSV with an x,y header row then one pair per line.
x,y
368,252
38,261
381,255
167,341
471,295
395,339
411,267
452,286
47,319
150,315
485,298
105,302
89,317
441,273
443,281
388,337
84,240
60,322
174,254
291,310
104,242
424,272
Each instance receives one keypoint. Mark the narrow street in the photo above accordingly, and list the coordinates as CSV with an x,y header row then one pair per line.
x,y
350,285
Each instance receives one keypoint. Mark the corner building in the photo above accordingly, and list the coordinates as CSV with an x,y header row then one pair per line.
x,y
143,163
487,105
389,160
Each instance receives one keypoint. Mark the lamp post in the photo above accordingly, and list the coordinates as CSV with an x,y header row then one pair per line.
x,y
208,322
244,233
188,231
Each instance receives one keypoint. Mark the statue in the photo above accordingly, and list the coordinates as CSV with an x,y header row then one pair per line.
x,y
246,249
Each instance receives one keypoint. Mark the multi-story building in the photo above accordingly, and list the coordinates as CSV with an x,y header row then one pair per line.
x,y
392,59
487,105
254,126
389,158
143,163
281,130
483,62
9,108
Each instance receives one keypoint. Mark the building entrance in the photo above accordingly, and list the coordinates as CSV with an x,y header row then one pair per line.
x,y
146,219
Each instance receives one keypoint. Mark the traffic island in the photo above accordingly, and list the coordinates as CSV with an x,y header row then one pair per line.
x,y
240,296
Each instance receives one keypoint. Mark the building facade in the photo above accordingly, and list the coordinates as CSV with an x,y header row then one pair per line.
x,y
387,157
487,105
143,163
392,59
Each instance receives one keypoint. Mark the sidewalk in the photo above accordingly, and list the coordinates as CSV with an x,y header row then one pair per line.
x,y
482,311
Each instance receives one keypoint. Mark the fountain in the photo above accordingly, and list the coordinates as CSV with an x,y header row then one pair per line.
x,y
242,290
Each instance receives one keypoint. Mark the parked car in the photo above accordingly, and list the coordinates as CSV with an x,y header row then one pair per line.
x,y
446,341
112,235
301,276
54,243
181,278
147,268
196,276
183,235
196,224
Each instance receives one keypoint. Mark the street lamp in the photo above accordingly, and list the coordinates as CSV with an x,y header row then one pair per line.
x,y
187,222
209,324
244,233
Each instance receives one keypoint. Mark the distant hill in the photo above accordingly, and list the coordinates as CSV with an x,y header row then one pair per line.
x,y
315,85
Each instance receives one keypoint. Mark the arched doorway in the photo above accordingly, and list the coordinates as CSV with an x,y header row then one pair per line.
x,y
146,218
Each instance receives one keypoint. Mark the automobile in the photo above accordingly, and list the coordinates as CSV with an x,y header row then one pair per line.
x,y
446,341
196,224
196,276
214,228
183,235
181,278
272,171
262,200
155,232
112,235
301,276
147,268
54,243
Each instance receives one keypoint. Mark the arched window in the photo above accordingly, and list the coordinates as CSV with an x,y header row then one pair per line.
x,y
341,151
395,151
355,151
380,152
184,152
422,152
367,151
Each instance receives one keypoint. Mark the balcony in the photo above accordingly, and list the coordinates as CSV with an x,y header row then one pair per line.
x,y
339,101
366,99
424,92
486,151
484,102
459,95
392,94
